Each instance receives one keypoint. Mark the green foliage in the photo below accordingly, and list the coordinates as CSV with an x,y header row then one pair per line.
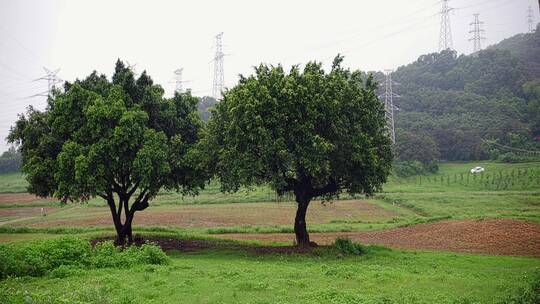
x,y
101,138
460,101
35,259
206,106
510,157
311,130
63,255
10,161
413,147
414,167
346,246
529,294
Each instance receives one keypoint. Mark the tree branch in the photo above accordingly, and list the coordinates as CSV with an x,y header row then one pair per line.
x,y
331,187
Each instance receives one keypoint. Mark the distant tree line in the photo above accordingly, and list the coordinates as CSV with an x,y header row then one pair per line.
x,y
10,161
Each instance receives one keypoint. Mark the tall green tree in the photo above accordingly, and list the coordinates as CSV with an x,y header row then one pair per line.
x,y
120,140
308,132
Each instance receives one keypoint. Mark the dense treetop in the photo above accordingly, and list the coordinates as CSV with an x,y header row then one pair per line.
x,y
113,139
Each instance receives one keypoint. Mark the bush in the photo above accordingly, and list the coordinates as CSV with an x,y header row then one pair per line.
x,y
346,246
408,168
511,157
414,167
41,257
529,294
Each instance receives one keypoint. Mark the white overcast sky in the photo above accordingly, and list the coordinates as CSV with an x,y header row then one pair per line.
x,y
161,36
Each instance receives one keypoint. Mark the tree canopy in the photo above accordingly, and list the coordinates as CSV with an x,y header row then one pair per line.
x,y
308,132
112,139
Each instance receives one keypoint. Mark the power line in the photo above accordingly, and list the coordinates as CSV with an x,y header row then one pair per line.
x,y
477,33
445,36
219,80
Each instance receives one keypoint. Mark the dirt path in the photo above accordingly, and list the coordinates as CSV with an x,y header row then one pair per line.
x,y
494,236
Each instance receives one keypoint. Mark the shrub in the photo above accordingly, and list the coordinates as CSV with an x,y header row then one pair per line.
x,y
529,294
511,157
63,254
152,254
408,168
346,246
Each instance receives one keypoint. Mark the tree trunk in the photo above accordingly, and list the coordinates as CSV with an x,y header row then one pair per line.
x,y
127,227
300,229
120,236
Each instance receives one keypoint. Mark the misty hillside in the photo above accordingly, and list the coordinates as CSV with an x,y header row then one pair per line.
x,y
457,102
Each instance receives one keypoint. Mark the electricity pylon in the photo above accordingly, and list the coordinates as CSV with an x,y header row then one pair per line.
x,y
178,80
530,19
218,84
52,79
389,107
445,36
477,33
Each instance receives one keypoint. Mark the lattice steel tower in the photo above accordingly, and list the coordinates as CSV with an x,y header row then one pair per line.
x,y
530,19
52,79
178,80
445,36
389,107
217,87
476,32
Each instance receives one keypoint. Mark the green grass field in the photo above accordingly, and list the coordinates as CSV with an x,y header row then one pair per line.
x,y
237,276
380,276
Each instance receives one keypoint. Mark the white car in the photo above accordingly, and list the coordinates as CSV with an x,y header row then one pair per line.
x,y
477,170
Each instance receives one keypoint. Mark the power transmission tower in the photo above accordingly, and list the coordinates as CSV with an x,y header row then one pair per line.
x,y
445,36
52,79
477,33
218,84
389,107
131,67
530,19
178,80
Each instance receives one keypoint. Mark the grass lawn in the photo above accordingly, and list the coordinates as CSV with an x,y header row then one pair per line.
x,y
236,276
380,276
12,183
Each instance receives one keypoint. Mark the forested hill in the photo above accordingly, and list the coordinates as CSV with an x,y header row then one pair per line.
x,y
454,103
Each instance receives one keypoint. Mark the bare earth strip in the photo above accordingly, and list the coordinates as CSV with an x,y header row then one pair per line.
x,y
22,198
221,215
493,236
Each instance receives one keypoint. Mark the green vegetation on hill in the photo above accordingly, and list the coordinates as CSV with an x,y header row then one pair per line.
x,y
459,102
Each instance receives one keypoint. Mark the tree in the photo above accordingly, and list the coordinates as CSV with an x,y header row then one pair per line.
x,y
115,140
417,147
10,161
309,132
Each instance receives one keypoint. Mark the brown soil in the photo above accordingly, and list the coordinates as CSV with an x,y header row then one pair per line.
x,y
21,198
227,215
25,212
171,244
493,236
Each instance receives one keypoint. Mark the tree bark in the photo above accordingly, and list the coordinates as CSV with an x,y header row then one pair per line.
x,y
300,229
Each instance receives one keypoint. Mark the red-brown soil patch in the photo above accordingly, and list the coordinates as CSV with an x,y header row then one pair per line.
x,y
21,198
493,236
